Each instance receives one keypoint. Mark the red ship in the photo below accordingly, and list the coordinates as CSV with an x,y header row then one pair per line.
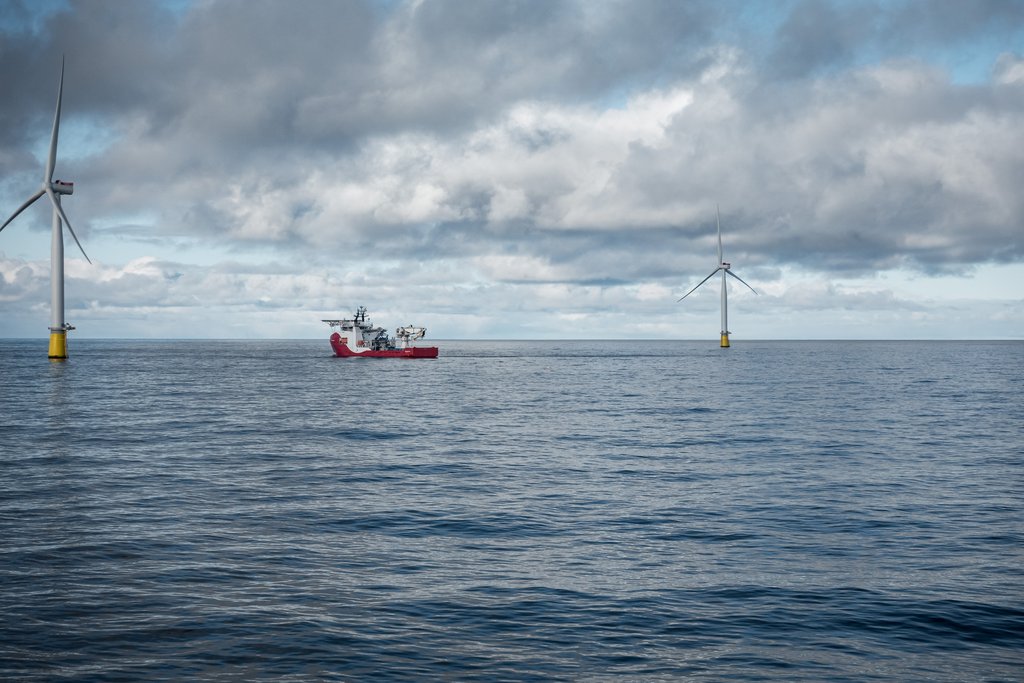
x,y
356,337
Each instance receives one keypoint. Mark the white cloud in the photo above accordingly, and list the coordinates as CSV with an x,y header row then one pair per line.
x,y
1009,69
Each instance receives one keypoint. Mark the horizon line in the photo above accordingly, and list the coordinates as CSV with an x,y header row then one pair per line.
x,y
551,339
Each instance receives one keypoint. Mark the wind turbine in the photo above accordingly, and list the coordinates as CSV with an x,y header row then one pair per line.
x,y
54,189
726,269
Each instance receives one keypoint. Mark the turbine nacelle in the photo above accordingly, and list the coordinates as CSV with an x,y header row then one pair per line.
x,y
62,187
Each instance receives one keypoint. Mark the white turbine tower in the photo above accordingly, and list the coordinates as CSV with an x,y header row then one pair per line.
x,y
726,268
54,189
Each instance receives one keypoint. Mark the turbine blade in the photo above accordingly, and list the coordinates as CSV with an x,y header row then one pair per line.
x,y
718,219
64,217
24,206
698,285
51,161
741,280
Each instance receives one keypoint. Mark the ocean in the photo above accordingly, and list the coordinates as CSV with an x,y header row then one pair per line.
x,y
512,511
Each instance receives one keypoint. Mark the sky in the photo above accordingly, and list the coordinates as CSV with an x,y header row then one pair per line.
x,y
518,170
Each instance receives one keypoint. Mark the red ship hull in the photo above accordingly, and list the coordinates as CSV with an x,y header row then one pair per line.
x,y
343,351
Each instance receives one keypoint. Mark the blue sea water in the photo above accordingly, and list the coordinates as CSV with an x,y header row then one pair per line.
x,y
260,510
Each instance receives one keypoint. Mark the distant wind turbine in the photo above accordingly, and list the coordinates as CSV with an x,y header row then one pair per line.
x,y
54,189
726,268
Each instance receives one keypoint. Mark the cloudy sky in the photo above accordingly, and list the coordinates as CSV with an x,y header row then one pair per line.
x,y
519,169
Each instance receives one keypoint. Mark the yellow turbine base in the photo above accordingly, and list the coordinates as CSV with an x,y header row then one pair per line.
x,y
725,340
58,345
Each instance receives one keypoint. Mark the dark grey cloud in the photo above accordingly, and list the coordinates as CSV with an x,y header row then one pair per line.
x,y
819,36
